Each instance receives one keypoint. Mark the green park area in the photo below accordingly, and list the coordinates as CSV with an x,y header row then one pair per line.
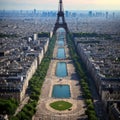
x,y
61,105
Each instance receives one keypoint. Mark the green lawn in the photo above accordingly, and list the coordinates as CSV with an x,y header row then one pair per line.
x,y
61,105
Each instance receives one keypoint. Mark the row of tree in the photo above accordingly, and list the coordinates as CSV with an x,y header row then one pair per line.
x,y
43,34
83,78
2,35
81,34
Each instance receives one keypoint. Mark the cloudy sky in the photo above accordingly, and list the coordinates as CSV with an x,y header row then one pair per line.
x,y
53,4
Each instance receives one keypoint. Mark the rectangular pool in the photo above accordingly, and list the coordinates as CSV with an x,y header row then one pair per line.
x,y
61,91
60,43
61,69
61,53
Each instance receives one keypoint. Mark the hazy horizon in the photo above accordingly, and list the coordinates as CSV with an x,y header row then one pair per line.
x,y
53,5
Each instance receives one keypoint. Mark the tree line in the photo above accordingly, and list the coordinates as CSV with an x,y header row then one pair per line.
x,y
83,78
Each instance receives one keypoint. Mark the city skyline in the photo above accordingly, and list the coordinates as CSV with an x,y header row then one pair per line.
x,y
53,4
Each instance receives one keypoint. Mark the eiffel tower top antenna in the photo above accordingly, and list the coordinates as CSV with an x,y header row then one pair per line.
x,y
60,6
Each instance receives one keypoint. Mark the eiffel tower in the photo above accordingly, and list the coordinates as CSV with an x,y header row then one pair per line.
x,y
60,16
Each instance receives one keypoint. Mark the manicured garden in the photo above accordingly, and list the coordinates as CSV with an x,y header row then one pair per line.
x,y
61,105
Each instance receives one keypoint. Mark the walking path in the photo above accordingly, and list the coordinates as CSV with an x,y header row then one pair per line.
x,y
44,111
22,104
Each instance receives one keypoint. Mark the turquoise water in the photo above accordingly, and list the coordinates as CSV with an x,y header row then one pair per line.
x,y
61,69
61,53
61,91
60,43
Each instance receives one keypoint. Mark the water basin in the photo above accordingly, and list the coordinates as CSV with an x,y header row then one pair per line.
x,y
60,43
61,53
61,91
61,69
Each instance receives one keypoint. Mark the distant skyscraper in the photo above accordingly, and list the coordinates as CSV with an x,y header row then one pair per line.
x,y
90,13
66,13
34,11
113,15
106,15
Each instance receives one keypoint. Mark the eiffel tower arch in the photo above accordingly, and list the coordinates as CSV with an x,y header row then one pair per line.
x,y
60,22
